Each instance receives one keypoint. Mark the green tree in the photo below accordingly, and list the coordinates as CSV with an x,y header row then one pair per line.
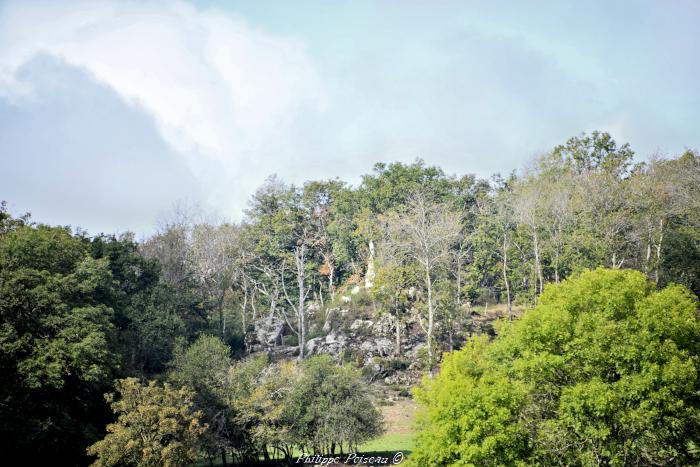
x,y
329,408
57,342
604,371
156,426
204,368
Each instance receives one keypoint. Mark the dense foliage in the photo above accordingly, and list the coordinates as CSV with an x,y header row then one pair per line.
x,y
156,426
256,408
604,371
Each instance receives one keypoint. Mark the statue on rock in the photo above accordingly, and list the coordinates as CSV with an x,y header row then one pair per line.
x,y
369,276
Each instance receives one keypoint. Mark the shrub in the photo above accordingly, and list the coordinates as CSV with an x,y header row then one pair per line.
x,y
290,340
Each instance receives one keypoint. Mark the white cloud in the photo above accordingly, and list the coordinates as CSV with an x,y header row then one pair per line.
x,y
221,92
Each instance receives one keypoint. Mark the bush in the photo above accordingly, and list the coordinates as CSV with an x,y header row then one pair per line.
x,y
397,364
290,340
603,371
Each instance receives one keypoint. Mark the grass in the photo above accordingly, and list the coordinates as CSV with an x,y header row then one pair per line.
x,y
390,442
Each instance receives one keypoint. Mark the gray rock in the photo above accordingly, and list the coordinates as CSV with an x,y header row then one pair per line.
x,y
268,331
359,323
312,345
384,346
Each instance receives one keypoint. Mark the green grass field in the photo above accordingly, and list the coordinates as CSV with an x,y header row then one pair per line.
x,y
390,442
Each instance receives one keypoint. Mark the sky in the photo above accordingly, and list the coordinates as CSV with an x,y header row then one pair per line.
x,y
112,112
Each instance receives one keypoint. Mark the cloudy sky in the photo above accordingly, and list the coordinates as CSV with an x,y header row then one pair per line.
x,y
111,111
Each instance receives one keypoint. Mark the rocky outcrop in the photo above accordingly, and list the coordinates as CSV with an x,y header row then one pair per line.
x,y
334,343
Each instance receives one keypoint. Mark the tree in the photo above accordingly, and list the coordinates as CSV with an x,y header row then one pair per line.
x,y
424,232
156,426
329,408
392,289
604,371
318,199
285,265
212,260
204,368
57,342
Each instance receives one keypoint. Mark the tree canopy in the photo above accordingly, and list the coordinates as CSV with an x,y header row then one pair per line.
x,y
604,371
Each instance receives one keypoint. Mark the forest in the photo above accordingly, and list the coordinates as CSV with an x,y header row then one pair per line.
x,y
544,316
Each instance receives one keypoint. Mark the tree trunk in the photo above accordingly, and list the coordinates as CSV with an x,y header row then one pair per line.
x,y
648,257
658,251
244,307
538,265
505,276
223,458
331,285
299,257
429,283
252,304
398,333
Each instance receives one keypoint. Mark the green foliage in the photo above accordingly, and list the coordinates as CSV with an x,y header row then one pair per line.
x,y
316,406
56,341
156,426
603,370
330,407
204,367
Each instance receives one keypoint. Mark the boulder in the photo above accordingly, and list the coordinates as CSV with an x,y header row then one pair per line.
x,y
269,330
332,344
384,346
312,345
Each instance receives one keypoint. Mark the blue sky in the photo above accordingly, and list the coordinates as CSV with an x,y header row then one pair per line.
x,y
111,111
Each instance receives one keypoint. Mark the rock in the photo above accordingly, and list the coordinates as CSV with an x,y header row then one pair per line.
x,y
355,290
332,344
268,330
384,346
359,323
385,326
331,338
286,351
312,345
367,347
345,299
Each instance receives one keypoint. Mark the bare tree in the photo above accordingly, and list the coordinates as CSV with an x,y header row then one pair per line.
x,y
424,232
212,260
298,305
527,211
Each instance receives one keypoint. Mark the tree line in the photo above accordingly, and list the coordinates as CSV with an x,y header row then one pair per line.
x,y
80,312
458,241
